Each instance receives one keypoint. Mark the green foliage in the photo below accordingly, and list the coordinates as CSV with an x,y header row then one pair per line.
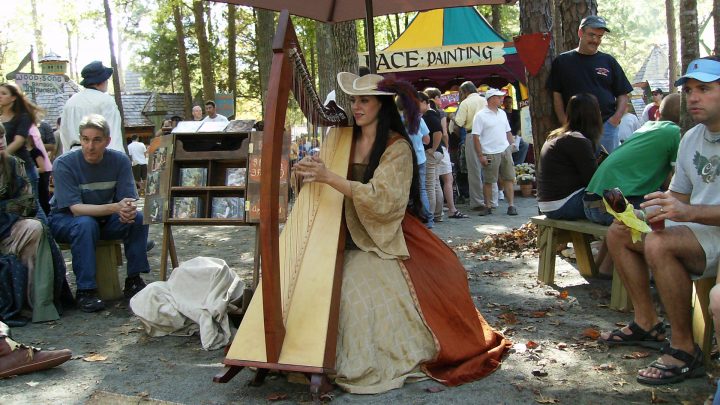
x,y
635,27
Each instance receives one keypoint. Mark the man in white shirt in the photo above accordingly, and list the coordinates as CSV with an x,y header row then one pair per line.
x,y
491,143
212,115
138,154
91,100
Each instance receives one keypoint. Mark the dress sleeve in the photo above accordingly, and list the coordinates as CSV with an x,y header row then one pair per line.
x,y
381,203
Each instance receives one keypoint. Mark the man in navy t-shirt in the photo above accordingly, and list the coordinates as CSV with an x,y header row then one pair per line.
x,y
587,70
94,199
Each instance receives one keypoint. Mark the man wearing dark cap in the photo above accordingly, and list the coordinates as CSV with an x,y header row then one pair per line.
x,y
92,100
652,110
587,70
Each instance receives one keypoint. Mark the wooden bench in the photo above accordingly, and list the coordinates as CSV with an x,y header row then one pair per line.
x,y
552,232
108,256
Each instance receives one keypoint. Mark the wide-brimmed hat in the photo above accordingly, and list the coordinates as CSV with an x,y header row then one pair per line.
x,y
594,21
354,85
493,92
95,73
704,70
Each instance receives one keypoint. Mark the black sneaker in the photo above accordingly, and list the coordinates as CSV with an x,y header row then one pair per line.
x,y
133,285
512,210
149,245
88,301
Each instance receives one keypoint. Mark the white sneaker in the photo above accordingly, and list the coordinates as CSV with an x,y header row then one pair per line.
x,y
501,195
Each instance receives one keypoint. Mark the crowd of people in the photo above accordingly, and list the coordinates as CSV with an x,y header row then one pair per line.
x,y
669,180
409,157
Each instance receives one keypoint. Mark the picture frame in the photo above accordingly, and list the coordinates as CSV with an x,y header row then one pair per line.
x,y
193,177
228,207
186,207
235,176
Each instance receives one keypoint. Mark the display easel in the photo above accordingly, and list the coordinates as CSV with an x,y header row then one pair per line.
x,y
206,178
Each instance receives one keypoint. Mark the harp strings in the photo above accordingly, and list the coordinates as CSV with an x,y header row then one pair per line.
x,y
304,209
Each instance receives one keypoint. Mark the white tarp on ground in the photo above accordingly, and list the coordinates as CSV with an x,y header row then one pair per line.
x,y
195,298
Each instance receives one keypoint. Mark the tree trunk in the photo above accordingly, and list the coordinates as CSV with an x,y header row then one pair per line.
x,y
535,16
38,30
672,44
113,63
232,42
716,24
571,12
71,72
183,61
119,72
689,50
208,76
326,66
496,17
265,31
345,50
212,38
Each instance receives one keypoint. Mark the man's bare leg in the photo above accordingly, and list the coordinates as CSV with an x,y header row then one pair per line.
x,y
672,254
509,192
487,194
630,264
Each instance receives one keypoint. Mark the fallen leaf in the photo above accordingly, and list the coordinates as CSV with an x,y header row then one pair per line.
x,y
278,396
562,346
546,400
509,318
434,389
32,383
591,333
636,355
654,399
531,345
519,348
95,357
605,367
539,373
538,314
620,383
563,295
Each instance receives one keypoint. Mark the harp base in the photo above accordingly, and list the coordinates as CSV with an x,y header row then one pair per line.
x,y
319,382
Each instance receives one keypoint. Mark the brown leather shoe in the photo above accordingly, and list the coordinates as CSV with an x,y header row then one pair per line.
x,y
16,358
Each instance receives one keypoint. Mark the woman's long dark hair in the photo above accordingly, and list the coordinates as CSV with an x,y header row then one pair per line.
x,y
22,104
583,115
389,121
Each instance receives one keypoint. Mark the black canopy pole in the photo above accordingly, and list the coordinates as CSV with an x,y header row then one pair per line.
x,y
370,34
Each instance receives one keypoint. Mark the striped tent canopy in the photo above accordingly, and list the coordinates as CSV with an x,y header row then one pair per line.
x,y
445,47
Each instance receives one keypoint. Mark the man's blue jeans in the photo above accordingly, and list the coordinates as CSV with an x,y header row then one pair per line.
x,y
83,232
424,197
610,137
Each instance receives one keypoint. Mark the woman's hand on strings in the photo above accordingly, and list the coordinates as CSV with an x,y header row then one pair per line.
x,y
312,169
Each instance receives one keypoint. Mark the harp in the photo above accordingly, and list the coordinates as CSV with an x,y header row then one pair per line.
x,y
291,321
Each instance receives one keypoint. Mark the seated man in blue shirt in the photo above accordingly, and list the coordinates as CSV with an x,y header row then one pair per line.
x,y
94,199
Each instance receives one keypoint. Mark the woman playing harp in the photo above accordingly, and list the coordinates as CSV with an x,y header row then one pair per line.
x,y
405,308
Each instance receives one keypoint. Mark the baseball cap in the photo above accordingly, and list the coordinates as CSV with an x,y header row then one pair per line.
x,y
704,70
493,92
658,91
594,21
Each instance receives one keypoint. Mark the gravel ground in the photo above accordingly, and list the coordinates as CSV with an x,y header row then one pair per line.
x,y
553,359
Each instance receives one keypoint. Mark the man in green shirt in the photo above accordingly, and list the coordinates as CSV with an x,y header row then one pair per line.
x,y
641,165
